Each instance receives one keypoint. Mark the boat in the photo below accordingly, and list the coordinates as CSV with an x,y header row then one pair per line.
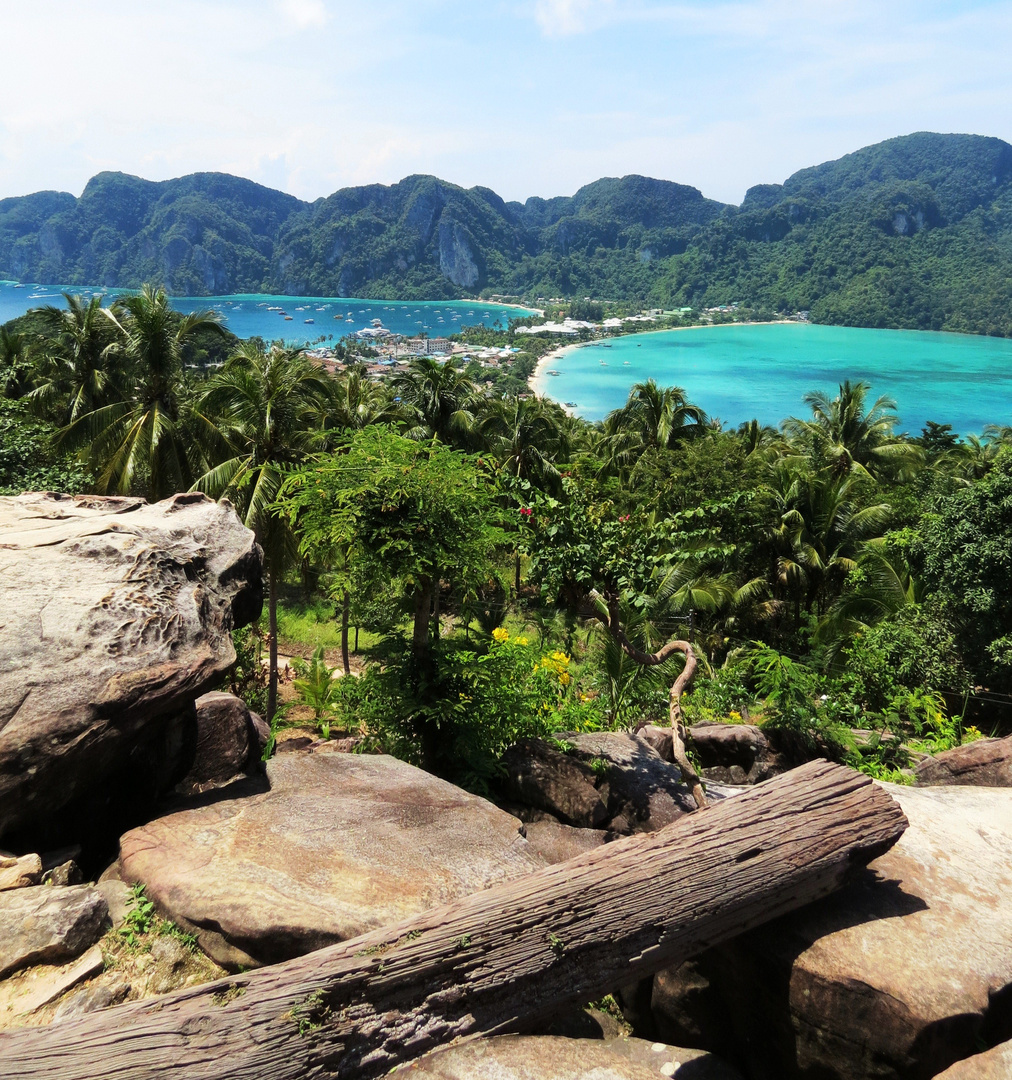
x,y
571,404
310,320
603,363
288,318
625,363
555,373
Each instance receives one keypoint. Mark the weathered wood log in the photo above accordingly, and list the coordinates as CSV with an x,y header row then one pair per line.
x,y
497,961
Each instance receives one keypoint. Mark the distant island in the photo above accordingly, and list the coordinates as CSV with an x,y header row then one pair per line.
x,y
914,232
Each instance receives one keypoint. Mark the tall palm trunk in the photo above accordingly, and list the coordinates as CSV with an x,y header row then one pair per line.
x,y
272,619
345,620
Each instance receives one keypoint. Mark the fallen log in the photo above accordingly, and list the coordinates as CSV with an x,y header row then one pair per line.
x,y
496,961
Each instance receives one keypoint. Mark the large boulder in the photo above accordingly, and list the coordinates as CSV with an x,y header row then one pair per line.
x,y
549,1057
46,925
117,615
897,976
230,742
731,753
644,791
542,777
985,763
326,847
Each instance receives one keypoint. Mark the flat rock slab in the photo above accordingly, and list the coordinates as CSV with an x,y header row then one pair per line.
x,y
901,973
985,763
22,996
339,845
17,873
47,924
115,615
548,1057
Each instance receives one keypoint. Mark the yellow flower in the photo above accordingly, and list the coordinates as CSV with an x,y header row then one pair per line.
x,y
500,635
522,640
560,656
734,714
564,678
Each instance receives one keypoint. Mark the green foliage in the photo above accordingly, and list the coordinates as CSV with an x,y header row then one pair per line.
x,y
966,552
479,702
142,920
316,687
29,458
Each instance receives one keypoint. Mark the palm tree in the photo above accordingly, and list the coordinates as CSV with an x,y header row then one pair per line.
x,y
820,526
440,398
17,368
357,401
146,439
81,366
268,406
526,438
851,437
653,417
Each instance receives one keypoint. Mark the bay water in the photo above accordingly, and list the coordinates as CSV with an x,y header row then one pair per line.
x,y
761,372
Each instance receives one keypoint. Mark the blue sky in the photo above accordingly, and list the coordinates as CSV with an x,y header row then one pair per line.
x,y
529,97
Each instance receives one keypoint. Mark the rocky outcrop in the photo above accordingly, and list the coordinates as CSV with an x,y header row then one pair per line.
x,y
116,616
540,776
644,791
547,1057
985,763
230,742
614,781
47,925
896,976
326,847
731,753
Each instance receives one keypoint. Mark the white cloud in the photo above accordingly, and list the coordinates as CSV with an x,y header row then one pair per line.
x,y
304,13
560,18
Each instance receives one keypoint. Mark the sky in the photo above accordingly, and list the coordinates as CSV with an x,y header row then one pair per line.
x,y
527,97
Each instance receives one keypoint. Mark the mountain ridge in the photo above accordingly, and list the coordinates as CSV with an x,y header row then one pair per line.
x,y
913,231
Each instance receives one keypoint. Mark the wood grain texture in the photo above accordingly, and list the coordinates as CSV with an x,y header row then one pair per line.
x,y
498,960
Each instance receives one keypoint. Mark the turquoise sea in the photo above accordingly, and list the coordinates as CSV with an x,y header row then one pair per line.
x,y
740,373
311,317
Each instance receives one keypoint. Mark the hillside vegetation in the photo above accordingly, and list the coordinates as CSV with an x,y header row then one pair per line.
x,y
914,232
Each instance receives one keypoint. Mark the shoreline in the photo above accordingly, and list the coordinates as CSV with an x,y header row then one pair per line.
x,y
561,350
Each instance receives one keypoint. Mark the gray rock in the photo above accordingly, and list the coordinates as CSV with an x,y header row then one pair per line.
x,y
116,616
985,763
90,999
549,1057
46,925
644,792
731,753
228,743
19,872
68,873
329,846
555,842
542,777
117,897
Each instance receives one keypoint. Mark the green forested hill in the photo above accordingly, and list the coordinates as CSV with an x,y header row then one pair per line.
x,y
912,232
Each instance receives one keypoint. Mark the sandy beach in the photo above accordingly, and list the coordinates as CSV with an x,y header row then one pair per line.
x,y
549,359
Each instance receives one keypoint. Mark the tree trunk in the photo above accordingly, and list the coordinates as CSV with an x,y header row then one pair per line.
x,y
608,613
423,609
436,590
272,646
345,619
516,577
496,961
356,639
